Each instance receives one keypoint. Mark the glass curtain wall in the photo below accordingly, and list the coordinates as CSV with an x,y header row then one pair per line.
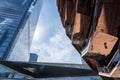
x,y
18,19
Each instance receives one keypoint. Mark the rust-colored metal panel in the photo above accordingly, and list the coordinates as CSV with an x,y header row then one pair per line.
x,y
85,7
77,15
102,43
109,17
62,8
80,30
70,12
91,62
81,24
77,23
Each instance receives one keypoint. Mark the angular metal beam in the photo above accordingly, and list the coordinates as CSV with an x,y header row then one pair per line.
x,y
46,70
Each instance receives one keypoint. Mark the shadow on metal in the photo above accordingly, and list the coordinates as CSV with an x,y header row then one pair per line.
x,y
48,70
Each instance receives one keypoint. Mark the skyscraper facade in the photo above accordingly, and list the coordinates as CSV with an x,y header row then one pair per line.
x,y
18,19
33,57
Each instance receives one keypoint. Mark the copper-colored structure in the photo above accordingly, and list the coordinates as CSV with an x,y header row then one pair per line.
x,y
94,28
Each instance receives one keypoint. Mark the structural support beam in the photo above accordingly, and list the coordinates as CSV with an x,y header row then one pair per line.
x,y
46,70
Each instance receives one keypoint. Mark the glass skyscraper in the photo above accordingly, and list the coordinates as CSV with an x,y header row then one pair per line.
x,y
18,19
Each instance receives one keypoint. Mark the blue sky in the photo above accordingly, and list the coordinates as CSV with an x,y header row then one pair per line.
x,y
50,41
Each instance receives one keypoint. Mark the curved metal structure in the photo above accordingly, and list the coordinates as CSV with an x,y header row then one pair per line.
x,y
94,29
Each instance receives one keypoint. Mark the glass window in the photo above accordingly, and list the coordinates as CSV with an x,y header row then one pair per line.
x,y
10,35
5,43
3,29
8,39
1,36
11,32
3,49
1,54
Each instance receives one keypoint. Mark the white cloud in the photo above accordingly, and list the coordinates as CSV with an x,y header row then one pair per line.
x,y
58,49
51,42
